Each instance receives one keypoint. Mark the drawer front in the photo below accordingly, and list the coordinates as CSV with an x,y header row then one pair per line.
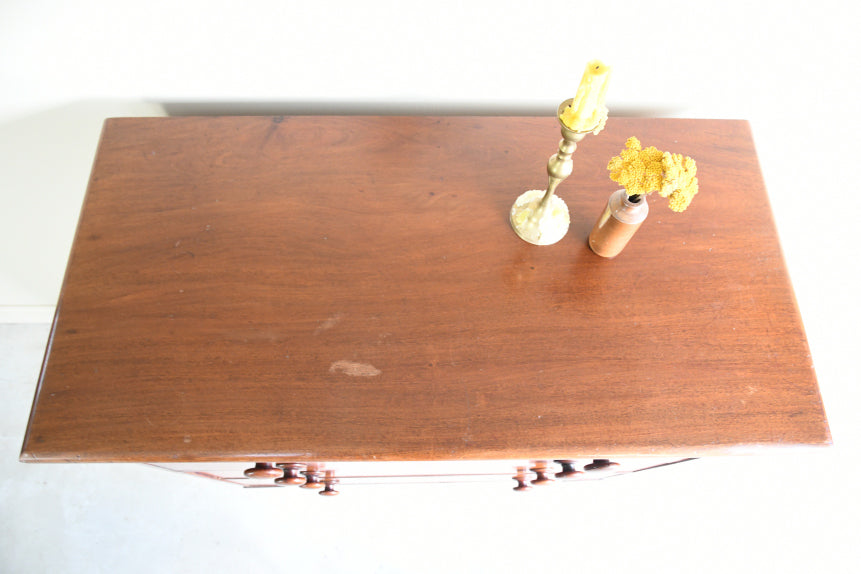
x,y
330,476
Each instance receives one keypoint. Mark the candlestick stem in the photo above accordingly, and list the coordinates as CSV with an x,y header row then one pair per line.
x,y
560,165
541,217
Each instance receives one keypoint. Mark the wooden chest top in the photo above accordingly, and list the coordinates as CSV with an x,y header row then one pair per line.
x,y
349,288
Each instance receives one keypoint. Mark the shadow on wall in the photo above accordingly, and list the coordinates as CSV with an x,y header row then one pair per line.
x,y
391,108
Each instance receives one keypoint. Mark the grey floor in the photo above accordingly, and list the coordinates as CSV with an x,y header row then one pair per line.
x,y
779,512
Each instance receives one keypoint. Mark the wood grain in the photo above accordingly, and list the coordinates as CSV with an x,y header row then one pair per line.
x,y
348,288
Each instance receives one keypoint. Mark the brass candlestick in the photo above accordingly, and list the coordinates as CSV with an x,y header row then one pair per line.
x,y
541,217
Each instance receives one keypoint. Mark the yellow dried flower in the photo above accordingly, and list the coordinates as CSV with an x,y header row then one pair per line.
x,y
643,171
680,183
638,170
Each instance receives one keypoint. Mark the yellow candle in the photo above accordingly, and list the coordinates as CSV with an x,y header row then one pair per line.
x,y
587,111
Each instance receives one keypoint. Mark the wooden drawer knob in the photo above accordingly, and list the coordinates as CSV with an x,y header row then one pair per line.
x,y
522,478
329,481
543,472
600,464
312,479
568,470
291,473
263,470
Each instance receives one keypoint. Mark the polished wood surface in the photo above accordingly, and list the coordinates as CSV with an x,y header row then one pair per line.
x,y
349,288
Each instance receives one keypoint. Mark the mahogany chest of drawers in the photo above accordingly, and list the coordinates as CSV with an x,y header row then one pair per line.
x,y
345,294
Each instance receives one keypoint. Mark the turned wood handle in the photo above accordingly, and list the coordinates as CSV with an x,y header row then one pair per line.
x,y
312,479
329,481
543,472
568,470
600,464
291,473
263,470
522,478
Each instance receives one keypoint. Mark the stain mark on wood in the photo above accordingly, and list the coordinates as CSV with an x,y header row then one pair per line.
x,y
354,369
328,324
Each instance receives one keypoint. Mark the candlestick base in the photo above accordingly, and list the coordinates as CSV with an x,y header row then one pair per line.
x,y
540,222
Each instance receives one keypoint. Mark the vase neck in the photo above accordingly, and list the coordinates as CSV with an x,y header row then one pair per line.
x,y
634,201
627,211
